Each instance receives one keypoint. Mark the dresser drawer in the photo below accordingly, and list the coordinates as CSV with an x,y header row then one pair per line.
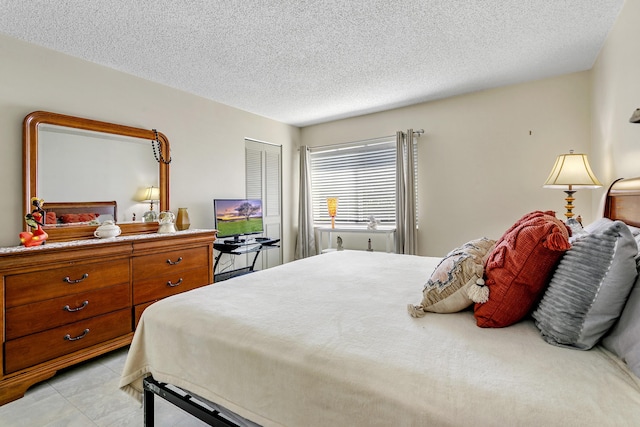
x,y
36,317
137,312
46,284
162,286
169,262
33,349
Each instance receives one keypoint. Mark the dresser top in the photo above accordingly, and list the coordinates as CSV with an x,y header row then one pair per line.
x,y
89,242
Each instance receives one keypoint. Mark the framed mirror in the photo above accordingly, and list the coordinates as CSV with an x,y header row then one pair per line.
x,y
79,165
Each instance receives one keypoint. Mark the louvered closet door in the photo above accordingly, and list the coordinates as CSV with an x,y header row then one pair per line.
x,y
264,181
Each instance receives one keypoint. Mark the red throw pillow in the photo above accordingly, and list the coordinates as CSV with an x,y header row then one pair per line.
x,y
81,217
50,218
518,270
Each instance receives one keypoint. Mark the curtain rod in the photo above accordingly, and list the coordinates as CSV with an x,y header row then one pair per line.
x,y
417,133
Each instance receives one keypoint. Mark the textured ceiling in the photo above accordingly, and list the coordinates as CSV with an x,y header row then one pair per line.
x,y
304,62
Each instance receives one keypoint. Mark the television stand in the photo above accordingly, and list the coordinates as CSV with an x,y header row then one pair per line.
x,y
234,240
233,247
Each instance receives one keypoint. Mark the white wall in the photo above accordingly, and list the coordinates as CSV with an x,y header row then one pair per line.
x,y
480,169
615,86
207,138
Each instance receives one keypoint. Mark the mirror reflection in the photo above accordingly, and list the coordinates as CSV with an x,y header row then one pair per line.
x,y
81,165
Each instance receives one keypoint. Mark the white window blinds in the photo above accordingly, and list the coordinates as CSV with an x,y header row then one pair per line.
x,y
361,175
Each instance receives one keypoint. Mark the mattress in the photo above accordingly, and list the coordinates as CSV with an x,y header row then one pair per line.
x,y
328,341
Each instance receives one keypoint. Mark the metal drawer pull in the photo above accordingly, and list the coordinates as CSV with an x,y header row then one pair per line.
x,y
178,261
68,280
79,337
174,284
71,310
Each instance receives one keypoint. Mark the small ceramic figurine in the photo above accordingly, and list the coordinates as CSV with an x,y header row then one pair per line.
x,y
107,229
369,248
373,223
339,247
34,220
33,238
167,221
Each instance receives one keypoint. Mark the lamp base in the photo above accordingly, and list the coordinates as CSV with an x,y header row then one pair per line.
x,y
150,216
569,206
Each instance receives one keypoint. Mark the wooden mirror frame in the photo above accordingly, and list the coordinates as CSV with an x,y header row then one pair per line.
x,y
30,169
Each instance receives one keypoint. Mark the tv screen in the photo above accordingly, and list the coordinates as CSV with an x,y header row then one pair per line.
x,y
238,217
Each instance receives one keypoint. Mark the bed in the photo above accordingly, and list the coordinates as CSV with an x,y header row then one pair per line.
x,y
328,341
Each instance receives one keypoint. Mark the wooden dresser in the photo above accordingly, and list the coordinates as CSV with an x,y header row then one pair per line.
x,y
64,303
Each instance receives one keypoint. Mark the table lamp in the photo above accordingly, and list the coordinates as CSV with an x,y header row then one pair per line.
x,y
150,195
332,206
571,172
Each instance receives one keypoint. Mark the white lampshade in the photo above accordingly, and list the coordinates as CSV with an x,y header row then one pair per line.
x,y
572,171
150,194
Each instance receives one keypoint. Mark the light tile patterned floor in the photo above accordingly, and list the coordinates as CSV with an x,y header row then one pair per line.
x,y
88,395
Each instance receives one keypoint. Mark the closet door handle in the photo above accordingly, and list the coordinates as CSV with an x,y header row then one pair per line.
x,y
71,310
79,337
172,285
72,281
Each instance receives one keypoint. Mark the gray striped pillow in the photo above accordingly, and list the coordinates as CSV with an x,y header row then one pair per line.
x,y
589,288
624,338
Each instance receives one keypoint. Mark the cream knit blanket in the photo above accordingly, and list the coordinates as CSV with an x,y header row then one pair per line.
x,y
327,341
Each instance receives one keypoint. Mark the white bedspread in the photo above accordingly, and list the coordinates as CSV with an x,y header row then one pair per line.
x,y
327,341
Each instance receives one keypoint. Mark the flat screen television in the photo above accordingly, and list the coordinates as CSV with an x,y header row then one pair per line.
x,y
238,217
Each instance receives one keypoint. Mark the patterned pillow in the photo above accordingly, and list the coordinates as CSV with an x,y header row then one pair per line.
x,y
589,288
518,269
446,290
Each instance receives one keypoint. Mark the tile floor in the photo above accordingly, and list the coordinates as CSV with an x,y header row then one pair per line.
x,y
88,395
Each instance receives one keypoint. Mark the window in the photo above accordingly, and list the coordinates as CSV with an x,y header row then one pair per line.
x,y
363,177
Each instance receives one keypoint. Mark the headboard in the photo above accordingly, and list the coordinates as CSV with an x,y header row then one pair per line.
x,y
100,208
623,201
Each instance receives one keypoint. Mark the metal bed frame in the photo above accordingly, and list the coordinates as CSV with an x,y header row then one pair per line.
x,y
185,401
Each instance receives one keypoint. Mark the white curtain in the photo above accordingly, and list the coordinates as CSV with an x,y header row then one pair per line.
x,y
406,230
306,242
